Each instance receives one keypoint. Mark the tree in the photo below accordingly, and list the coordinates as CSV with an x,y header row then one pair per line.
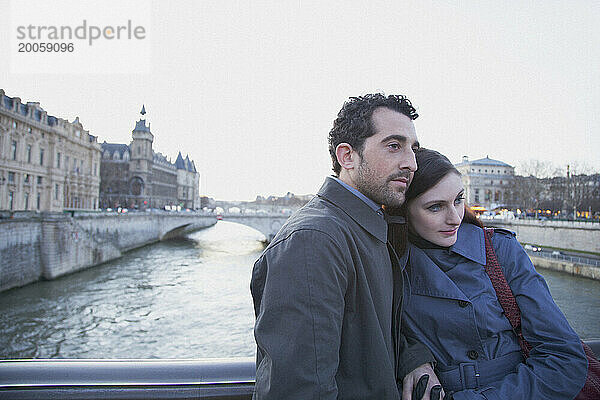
x,y
582,187
541,184
529,190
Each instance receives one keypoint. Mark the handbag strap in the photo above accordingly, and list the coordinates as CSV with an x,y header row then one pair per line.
x,y
503,291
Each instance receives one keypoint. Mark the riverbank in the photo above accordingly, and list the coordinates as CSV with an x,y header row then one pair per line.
x,y
586,271
46,246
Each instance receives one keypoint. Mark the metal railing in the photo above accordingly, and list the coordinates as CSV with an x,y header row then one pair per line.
x,y
565,257
231,379
223,379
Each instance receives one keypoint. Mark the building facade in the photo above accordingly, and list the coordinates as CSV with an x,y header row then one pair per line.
x,y
488,183
46,163
135,176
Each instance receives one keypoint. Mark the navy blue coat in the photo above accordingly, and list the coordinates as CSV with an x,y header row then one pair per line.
x,y
454,310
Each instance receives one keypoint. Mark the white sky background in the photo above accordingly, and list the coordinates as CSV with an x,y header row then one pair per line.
x,y
250,89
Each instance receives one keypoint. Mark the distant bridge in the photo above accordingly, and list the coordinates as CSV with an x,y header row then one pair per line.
x,y
36,246
267,224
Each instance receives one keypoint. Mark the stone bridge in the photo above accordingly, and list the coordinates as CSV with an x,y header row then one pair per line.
x,y
48,245
267,224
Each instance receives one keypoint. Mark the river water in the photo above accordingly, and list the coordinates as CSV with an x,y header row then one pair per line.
x,y
186,298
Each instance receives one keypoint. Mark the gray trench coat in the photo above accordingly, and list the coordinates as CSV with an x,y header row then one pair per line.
x,y
323,295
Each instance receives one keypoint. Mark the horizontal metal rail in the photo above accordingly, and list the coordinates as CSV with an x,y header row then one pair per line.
x,y
565,257
127,379
222,379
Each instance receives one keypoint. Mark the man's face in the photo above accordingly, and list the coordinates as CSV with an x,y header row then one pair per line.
x,y
388,163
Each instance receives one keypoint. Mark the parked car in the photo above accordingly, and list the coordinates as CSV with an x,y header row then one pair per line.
x,y
532,248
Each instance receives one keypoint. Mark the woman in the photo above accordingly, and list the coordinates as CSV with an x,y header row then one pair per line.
x,y
453,307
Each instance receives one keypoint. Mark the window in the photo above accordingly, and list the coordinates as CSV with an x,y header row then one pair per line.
x,y
29,153
476,198
11,197
67,162
56,191
94,171
11,177
39,180
13,150
38,200
78,133
57,160
476,191
41,156
26,200
27,178
29,130
14,125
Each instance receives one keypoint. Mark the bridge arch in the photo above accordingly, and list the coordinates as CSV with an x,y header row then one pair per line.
x,y
267,224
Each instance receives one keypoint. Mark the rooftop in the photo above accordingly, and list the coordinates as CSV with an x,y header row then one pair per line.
x,y
484,161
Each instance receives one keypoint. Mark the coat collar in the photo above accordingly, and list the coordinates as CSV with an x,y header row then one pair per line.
x,y
356,209
429,280
470,243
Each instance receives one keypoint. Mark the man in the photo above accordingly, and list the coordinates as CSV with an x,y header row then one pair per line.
x,y
328,289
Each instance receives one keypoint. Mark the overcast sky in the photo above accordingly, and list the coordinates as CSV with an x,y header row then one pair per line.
x,y
249,89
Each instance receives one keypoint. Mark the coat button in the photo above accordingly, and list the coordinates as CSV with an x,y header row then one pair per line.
x,y
472,354
463,303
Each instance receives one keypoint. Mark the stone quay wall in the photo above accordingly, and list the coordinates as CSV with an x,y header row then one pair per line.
x,y
586,271
572,235
49,245
20,252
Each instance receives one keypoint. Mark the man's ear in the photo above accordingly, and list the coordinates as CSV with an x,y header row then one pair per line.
x,y
346,155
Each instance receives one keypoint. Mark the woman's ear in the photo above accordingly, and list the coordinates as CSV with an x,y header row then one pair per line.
x,y
346,155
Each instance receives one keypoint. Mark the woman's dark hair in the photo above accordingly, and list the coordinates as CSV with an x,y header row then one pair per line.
x,y
471,218
432,166
353,123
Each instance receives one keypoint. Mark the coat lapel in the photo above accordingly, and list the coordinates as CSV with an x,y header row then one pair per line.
x,y
427,279
470,243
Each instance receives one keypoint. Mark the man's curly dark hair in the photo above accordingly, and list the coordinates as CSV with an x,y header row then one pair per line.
x,y
354,124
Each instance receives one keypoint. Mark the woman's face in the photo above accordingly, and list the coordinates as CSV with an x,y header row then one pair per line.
x,y
436,214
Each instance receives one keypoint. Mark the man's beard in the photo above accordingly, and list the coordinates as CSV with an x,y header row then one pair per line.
x,y
381,192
